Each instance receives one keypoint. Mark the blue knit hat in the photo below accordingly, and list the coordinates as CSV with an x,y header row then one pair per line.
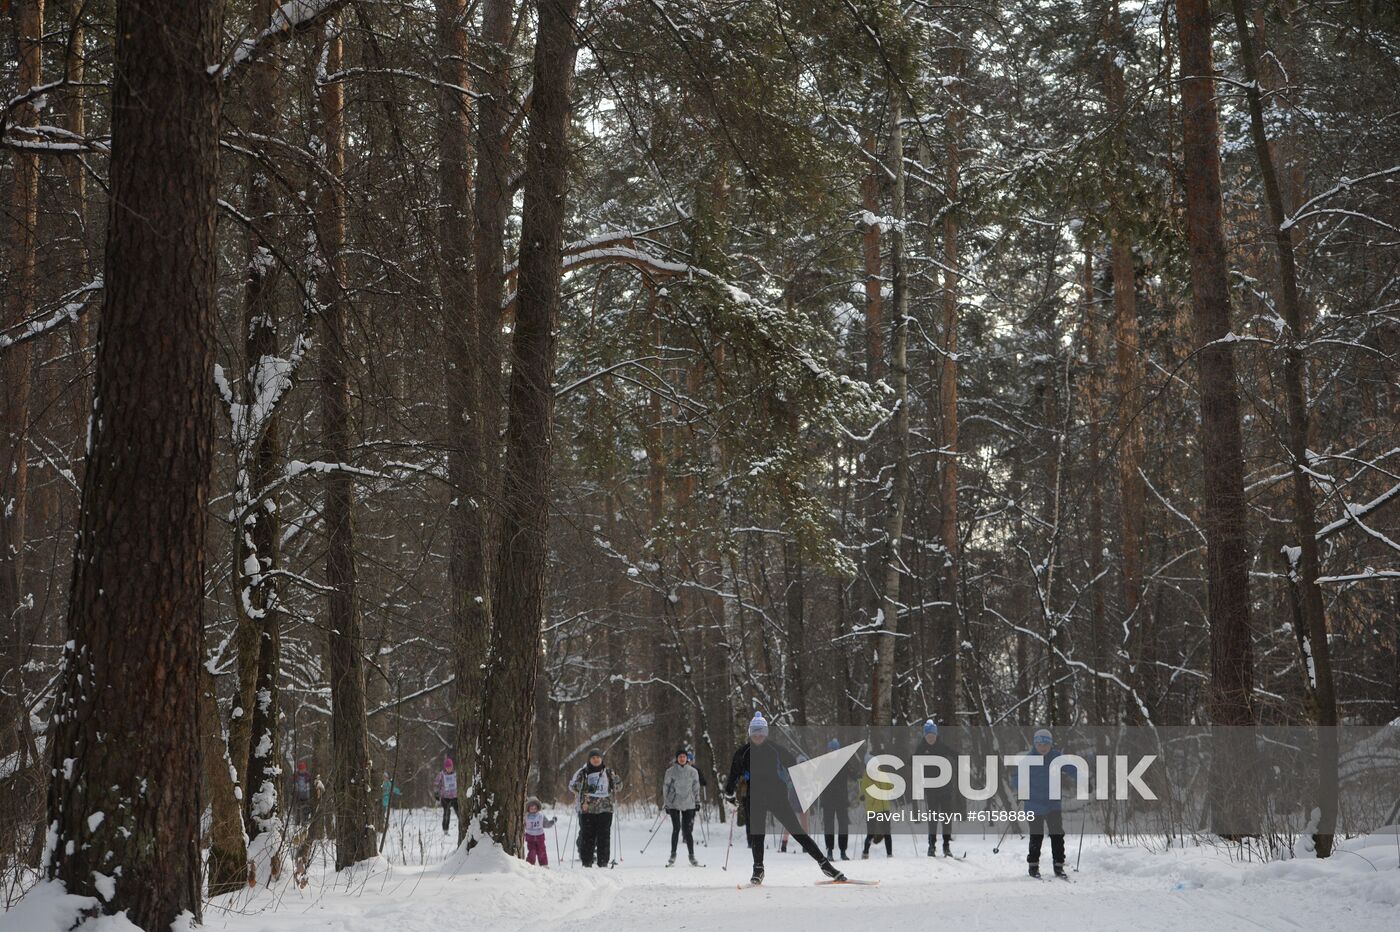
x,y
930,728
833,744
1043,734
759,725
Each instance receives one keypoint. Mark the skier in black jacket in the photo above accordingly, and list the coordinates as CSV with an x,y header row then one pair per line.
x,y
836,805
769,763
943,800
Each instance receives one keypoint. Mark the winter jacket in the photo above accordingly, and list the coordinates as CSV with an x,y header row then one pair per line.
x,y
445,785
1038,794
945,797
536,822
595,788
871,802
762,772
681,788
301,784
387,788
838,793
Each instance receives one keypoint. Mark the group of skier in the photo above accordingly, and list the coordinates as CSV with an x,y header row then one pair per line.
x,y
759,789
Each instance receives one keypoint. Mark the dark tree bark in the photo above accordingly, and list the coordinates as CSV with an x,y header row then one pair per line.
x,y
462,321
491,60
228,846
1306,568
1224,513
125,742
258,451
513,665
948,614
882,704
1128,379
351,783
1094,350
16,363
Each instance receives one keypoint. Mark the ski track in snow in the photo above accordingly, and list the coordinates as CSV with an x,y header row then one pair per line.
x,y
421,885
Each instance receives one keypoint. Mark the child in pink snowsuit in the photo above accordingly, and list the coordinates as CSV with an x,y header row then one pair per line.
x,y
536,851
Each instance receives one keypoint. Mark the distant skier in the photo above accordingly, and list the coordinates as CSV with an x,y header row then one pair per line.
x,y
387,790
836,805
301,794
877,826
1045,811
768,763
595,785
445,792
943,800
680,797
536,851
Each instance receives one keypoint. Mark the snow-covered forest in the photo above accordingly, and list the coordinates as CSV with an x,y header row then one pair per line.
x,y
390,380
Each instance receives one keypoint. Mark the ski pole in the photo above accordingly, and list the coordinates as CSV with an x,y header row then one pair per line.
x,y
1003,837
732,820
617,844
558,851
655,828
1082,819
569,836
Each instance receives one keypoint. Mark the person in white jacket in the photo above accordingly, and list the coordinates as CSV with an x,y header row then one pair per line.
x,y
680,797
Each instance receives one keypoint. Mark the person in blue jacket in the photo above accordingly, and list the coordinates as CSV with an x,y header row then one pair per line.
x,y
1045,812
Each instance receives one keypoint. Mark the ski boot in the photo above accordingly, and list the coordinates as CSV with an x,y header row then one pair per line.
x,y
845,856
757,878
1060,872
671,861
932,850
947,849
693,862
1035,871
830,870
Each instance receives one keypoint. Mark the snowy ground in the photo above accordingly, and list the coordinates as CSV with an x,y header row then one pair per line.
x,y
420,886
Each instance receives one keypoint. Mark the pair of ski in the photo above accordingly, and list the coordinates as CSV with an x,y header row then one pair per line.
x,y
825,883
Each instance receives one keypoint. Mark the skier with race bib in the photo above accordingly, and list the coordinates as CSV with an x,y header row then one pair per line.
x,y
445,791
595,785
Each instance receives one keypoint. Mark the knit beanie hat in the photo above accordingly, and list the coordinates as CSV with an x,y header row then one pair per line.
x,y
759,725
930,728
1043,734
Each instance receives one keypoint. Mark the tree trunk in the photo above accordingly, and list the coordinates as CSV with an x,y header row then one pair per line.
x,y
1128,377
1306,567
125,743
1224,514
1094,351
491,61
351,783
508,709
949,622
16,363
257,448
228,846
462,321
887,632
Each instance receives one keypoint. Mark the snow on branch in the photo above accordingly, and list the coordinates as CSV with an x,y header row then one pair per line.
x,y
75,303
288,19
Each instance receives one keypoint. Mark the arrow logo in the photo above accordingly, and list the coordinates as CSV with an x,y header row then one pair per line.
x,y
810,777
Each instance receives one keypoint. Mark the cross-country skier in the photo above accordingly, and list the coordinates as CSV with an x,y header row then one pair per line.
x,y
301,794
1045,811
943,800
595,786
680,797
836,805
536,851
445,792
759,772
877,811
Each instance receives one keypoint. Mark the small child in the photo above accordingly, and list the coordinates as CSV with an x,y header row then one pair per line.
x,y
536,851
